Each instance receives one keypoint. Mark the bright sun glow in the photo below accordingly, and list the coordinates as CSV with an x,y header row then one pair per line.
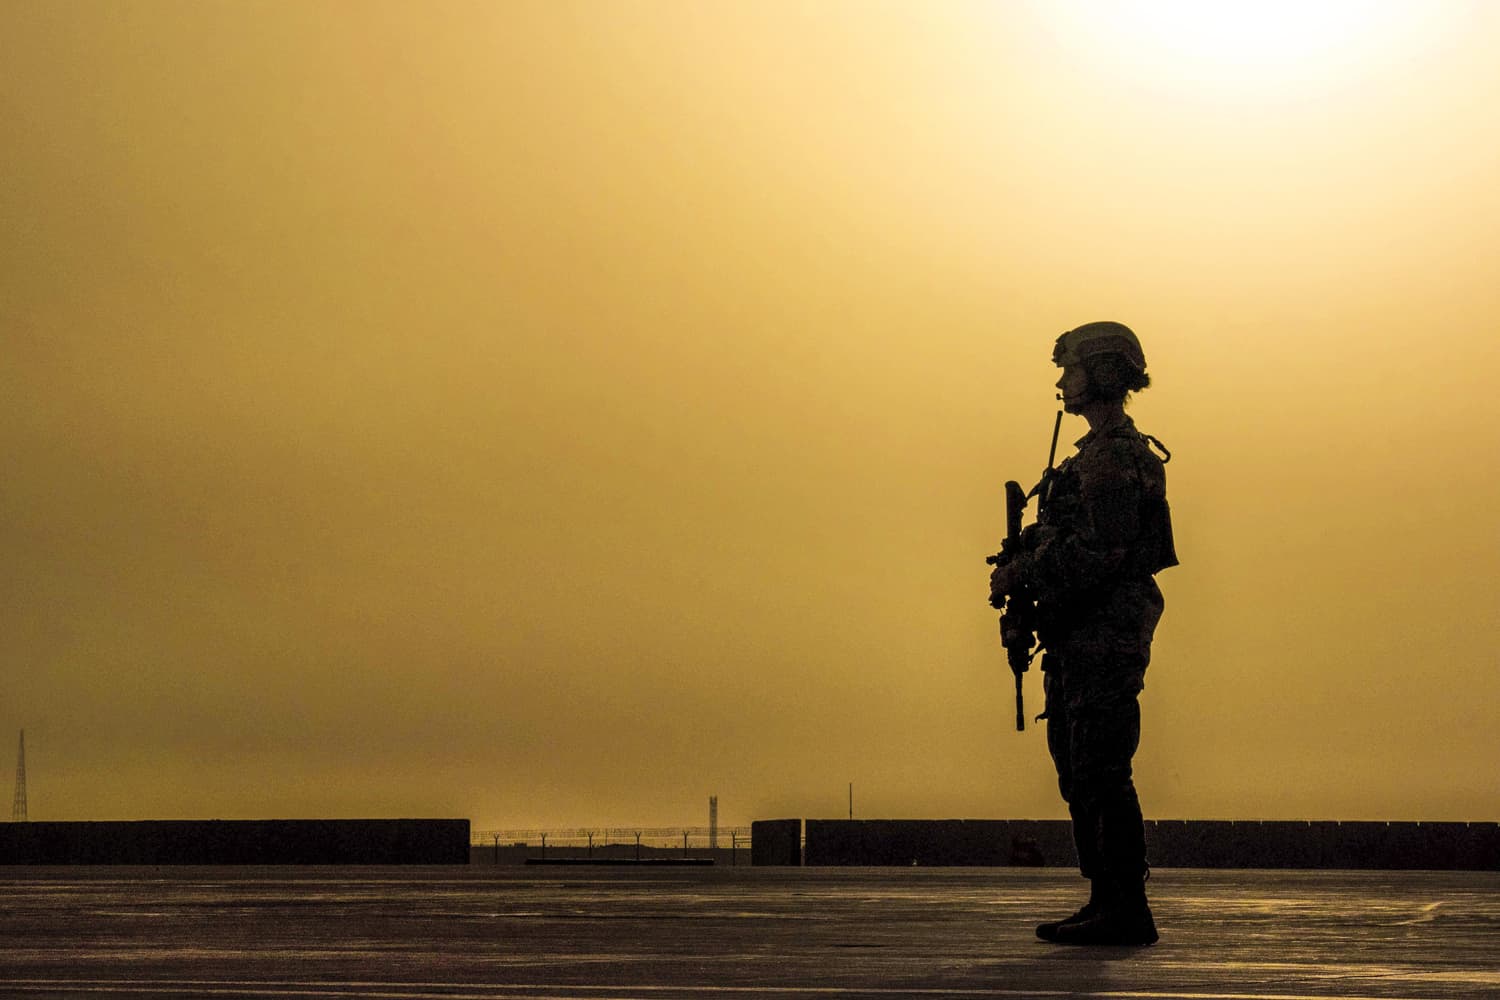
x,y
1245,45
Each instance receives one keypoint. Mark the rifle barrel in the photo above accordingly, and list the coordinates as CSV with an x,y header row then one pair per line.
x,y
1056,426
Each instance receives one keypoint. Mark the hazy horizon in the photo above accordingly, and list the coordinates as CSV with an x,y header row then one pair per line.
x,y
557,413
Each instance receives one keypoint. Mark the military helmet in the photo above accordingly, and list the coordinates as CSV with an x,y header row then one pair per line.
x,y
1094,339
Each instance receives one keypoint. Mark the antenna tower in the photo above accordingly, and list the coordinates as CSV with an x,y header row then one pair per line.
x,y
713,821
18,805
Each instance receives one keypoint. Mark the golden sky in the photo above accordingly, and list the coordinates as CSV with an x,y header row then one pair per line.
x,y
556,413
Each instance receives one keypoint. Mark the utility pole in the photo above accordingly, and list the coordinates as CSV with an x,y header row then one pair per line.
x,y
851,800
18,804
713,821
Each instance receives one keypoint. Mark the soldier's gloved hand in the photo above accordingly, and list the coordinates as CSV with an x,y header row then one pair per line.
x,y
1000,584
1035,536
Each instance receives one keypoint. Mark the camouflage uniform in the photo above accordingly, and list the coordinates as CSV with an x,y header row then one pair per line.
x,y
1103,530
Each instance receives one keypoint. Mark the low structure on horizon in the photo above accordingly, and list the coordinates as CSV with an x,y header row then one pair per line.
x,y
238,842
1169,843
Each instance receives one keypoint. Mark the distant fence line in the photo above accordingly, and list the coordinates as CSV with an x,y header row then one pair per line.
x,y
600,836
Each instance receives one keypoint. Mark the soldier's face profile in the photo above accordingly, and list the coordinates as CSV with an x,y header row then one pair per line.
x,y
1074,386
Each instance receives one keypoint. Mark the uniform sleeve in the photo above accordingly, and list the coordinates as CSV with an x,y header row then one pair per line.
x,y
1092,548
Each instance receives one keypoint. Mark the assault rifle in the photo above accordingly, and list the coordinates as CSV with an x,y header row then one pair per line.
x,y
1018,623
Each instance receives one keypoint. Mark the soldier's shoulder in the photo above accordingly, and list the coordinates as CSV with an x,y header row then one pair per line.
x,y
1124,442
1123,451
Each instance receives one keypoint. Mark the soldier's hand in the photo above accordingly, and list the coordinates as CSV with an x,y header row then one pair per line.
x,y
1036,536
1000,584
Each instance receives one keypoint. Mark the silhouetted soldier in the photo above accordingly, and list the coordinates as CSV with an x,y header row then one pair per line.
x,y
1102,531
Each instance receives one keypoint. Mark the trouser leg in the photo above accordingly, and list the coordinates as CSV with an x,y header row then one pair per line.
x,y
1107,824
1085,825
1105,735
1093,730
1060,743
1122,833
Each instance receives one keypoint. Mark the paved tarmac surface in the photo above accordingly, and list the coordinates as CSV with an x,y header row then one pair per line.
x,y
669,934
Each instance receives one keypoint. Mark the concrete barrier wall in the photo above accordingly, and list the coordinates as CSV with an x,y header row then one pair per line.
x,y
238,842
1280,844
1169,843
776,842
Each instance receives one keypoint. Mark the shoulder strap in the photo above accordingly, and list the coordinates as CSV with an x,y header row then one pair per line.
x,y
1166,456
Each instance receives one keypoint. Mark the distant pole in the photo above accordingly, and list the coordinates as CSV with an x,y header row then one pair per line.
x,y
497,848
18,804
713,821
851,800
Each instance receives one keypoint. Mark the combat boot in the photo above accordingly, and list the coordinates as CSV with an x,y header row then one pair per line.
x,y
1048,931
1122,918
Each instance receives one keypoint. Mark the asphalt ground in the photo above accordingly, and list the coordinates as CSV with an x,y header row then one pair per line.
x,y
725,932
